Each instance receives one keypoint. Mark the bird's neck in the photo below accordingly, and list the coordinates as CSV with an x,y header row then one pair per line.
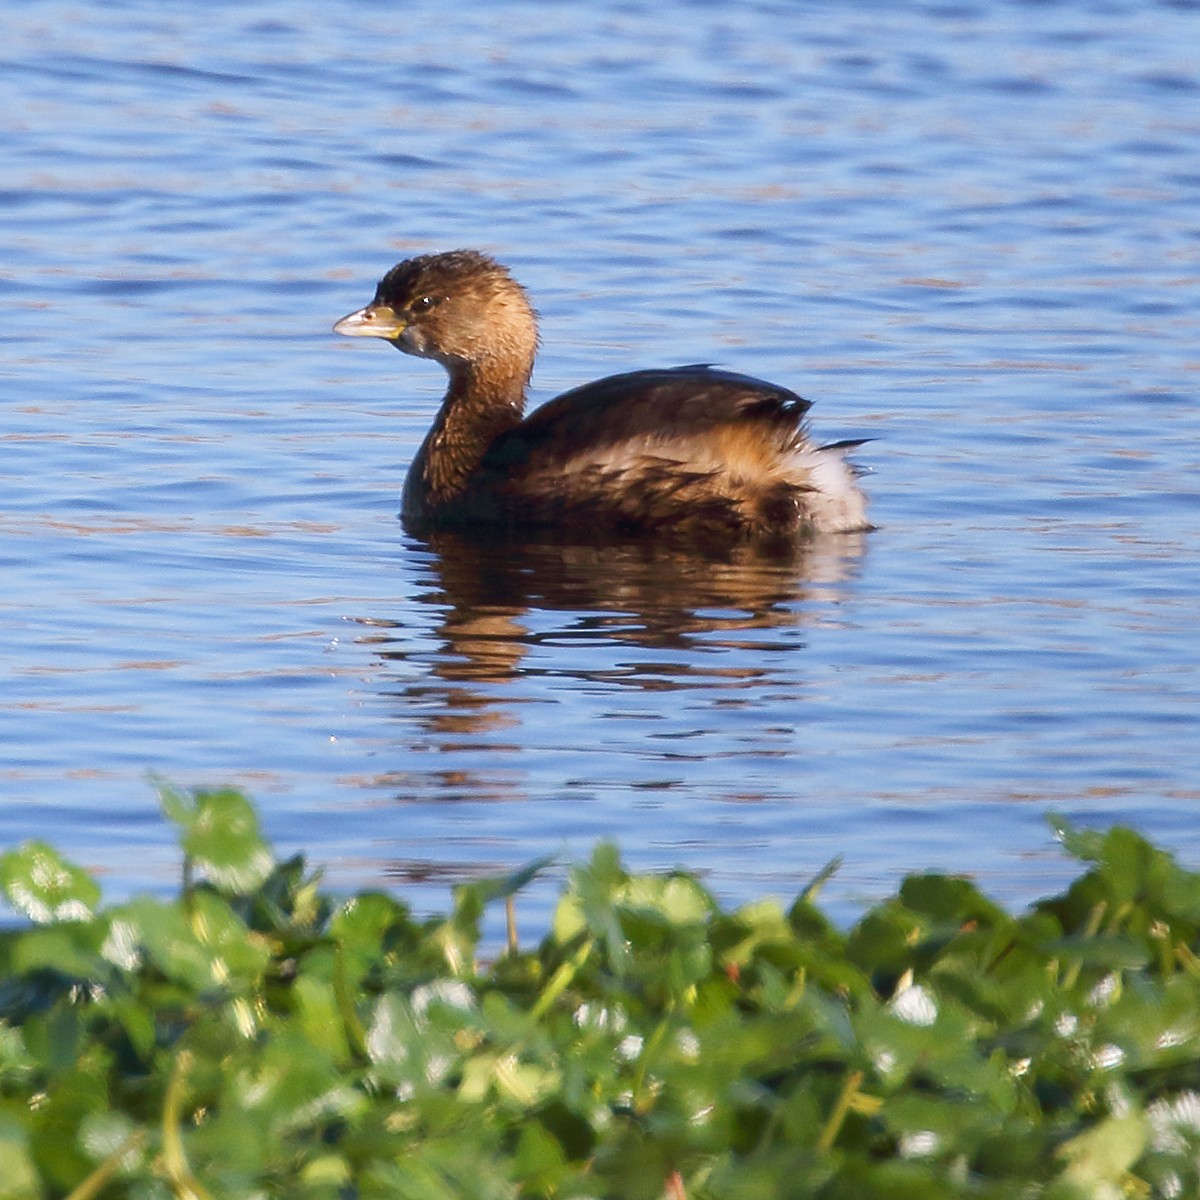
x,y
479,406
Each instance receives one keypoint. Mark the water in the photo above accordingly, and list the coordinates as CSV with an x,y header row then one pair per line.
x,y
968,231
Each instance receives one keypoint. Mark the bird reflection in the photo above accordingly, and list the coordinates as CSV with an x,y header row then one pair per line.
x,y
494,605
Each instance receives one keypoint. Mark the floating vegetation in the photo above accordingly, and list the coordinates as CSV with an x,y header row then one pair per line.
x,y
260,1037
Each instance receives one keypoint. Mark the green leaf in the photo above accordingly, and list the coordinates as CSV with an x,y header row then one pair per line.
x,y
677,899
539,1159
206,948
61,949
45,887
392,1038
950,899
1111,952
931,1126
18,1177
594,894
499,887
320,1016
1083,844
365,928
110,1136
220,834
813,888
1103,1154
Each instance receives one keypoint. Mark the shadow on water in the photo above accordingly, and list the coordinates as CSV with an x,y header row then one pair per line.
x,y
542,671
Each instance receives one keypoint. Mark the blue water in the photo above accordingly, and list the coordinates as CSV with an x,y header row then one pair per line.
x,y
969,231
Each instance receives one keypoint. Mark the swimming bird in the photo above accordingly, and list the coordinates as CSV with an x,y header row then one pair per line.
x,y
689,451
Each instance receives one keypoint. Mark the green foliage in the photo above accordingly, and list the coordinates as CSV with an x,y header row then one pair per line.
x,y
257,1037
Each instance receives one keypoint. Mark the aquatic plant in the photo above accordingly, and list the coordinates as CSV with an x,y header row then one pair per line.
x,y
258,1036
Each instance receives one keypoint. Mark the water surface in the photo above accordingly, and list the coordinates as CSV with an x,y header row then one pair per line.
x,y
968,231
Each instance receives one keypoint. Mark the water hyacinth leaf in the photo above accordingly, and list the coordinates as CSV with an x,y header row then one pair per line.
x,y
525,1083
243,955
951,899
1100,1157
1128,871
500,887
539,1159
759,921
18,1176
393,1039
743,936
320,1017
503,1021
367,929
591,903
450,1168
1156,1028
208,947
884,940
60,949
330,1174
288,1088
1083,844
135,1017
812,889
1109,952
220,834
931,1126
923,1033
478,1073
458,936
676,899
44,887
110,1136
569,920
15,1060
75,1095
908,1179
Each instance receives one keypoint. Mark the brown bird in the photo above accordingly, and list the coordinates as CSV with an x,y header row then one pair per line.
x,y
689,451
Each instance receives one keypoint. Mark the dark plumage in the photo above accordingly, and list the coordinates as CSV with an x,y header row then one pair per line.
x,y
688,450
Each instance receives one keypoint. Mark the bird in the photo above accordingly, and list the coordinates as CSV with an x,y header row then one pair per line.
x,y
692,452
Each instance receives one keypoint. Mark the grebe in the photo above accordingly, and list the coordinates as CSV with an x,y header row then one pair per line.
x,y
691,451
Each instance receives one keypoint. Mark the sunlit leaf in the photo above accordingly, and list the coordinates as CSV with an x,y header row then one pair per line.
x,y
676,898
110,1136
220,834
206,946
1103,1154
43,886
18,1176
1083,844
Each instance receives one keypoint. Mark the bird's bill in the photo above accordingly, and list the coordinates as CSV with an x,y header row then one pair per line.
x,y
376,320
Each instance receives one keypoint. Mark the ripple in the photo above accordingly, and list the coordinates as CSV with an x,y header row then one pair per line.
x,y
961,232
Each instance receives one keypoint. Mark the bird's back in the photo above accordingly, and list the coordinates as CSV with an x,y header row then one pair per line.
x,y
689,449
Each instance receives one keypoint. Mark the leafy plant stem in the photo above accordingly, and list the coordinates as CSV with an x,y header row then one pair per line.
x,y
188,886
561,979
1095,917
834,1124
355,1033
649,1050
1187,959
510,925
94,1183
179,1175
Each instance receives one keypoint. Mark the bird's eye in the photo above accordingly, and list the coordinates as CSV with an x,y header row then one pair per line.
x,y
423,304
